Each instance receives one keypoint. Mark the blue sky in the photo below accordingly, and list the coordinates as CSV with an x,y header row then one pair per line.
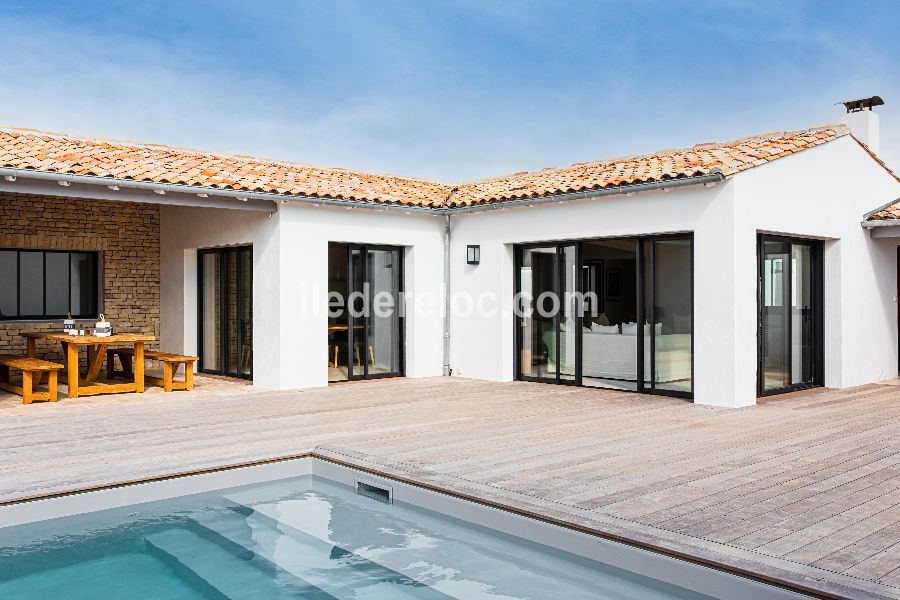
x,y
447,90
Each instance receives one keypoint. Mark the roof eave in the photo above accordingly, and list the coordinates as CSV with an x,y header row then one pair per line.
x,y
240,196
880,223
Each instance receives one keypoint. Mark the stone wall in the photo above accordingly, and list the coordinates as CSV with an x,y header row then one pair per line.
x,y
127,238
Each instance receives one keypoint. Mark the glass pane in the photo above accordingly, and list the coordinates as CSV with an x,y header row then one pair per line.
x,y
246,311
338,286
539,306
383,278
568,323
57,282
802,370
673,309
775,315
358,311
8,291
609,340
231,312
83,291
212,317
31,284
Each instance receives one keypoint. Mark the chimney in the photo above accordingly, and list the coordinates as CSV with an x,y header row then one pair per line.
x,y
863,121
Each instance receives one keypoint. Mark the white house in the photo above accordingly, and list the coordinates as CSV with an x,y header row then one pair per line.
x,y
719,273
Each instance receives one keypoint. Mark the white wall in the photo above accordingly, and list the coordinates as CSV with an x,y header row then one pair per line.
x,y
290,282
483,346
305,232
182,231
823,193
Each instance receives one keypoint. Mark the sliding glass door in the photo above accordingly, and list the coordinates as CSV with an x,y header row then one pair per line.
x,y
365,321
790,319
668,303
225,307
611,313
547,322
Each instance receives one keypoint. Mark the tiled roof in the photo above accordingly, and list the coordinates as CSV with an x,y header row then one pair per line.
x,y
61,153
887,213
703,159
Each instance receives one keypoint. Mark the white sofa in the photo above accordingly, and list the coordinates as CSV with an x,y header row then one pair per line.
x,y
614,356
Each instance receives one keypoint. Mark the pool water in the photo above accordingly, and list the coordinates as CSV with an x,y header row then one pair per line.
x,y
303,537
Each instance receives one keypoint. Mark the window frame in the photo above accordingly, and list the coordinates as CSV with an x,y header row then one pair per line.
x,y
95,309
644,290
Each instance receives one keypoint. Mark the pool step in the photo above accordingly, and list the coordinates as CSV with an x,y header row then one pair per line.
x,y
230,575
341,574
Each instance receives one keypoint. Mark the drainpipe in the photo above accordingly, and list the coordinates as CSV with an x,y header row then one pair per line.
x,y
447,370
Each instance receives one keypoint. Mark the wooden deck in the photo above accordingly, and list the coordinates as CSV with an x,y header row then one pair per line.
x,y
804,489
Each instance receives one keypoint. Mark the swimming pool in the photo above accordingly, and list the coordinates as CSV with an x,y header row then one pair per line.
x,y
304,536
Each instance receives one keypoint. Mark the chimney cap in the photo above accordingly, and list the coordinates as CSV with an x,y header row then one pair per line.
x,y
862,104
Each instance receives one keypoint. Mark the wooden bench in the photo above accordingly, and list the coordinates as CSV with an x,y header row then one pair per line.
x,y
32,372
170,363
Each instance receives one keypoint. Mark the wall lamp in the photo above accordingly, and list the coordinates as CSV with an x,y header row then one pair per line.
x,y
473,255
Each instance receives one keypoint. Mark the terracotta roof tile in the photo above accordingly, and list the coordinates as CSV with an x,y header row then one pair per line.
x,y
704,159
888,213
62,153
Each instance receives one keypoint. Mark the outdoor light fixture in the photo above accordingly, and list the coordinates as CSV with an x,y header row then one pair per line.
x,y
160,192
473,255
10,178
114,188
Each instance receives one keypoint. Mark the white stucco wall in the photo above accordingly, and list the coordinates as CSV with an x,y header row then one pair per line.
x,y
305,232
182,231
822,193
290,282
483,346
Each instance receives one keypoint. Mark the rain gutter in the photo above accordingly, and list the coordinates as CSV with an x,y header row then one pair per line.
x,y
131,184
880,223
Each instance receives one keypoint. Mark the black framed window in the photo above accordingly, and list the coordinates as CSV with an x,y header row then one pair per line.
x,y
48,284
633,330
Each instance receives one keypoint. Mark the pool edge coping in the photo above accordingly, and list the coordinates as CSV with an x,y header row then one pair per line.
x,y
392,472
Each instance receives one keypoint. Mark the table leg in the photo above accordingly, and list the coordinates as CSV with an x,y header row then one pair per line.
x,y
139,366
65,353
95,361
72,360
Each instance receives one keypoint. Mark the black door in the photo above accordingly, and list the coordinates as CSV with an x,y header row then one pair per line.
x,y
225,307
365,323
548,318
790,314
613,313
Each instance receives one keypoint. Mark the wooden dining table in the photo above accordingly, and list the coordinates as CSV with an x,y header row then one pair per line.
x,y
96,351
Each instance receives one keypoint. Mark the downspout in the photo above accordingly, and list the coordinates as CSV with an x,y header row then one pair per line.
x,y
447,369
